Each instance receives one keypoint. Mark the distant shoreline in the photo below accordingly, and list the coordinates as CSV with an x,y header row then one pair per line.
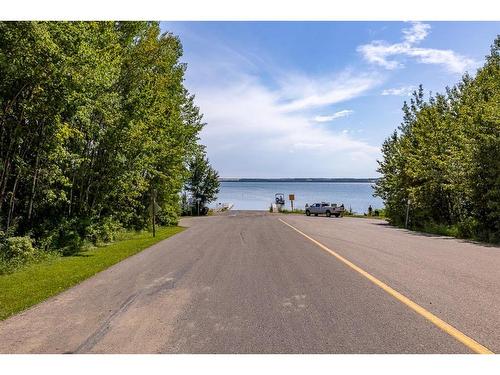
x,y
348,180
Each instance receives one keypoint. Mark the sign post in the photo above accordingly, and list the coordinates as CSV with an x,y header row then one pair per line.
x,y
153,213
291,197
198,205
407,212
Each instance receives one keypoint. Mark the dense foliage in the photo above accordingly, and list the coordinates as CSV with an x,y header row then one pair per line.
x,y
94,117
202,184
445,158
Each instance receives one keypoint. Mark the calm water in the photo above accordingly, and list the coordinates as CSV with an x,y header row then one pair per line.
x,y
260,195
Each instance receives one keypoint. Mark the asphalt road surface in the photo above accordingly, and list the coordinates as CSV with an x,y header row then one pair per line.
x,y
246,282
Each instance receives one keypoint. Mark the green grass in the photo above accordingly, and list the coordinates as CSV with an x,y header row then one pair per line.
x,y
295,211
366,216
441,229
302,212
36,282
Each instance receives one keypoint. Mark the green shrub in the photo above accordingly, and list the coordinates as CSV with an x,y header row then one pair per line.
x,y
381,212
440,229
467,228
17,249
102,231
295,211
168,216
68,237
16,252
71,236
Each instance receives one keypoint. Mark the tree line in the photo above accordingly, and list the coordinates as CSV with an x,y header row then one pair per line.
x,y
94,120
442,165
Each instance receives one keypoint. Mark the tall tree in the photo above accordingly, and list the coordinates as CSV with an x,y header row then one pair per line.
x,y
203,181
94,117
445,157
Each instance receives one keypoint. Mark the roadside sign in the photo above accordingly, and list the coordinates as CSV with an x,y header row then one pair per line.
x,y
291,197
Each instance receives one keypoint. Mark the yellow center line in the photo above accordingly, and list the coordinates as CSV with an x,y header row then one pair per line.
x,y
449,329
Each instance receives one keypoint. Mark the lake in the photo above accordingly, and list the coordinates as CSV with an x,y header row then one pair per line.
x,y
259,195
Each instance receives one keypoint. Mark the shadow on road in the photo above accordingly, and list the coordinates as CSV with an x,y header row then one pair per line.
x,y
434,235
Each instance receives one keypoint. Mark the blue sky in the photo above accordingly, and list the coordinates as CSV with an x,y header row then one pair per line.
x,y
316,99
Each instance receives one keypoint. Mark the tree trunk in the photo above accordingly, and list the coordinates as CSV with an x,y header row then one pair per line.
x,y
3,183
12,198
71,195
33,187
5,174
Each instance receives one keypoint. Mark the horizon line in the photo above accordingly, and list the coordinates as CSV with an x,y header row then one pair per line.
x,y
297,178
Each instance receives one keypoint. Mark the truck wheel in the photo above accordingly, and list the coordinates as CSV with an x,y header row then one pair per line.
x,y
308,213
328,214
337,215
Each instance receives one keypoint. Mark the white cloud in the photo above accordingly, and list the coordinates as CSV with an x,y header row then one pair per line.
x,y
248,133
307,146
399,91
336,115
384,54
265,129
304,93
416,33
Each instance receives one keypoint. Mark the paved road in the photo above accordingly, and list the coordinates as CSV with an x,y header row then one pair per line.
x,y
245,282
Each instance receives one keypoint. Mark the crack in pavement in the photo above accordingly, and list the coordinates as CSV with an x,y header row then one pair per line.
x,y
158,285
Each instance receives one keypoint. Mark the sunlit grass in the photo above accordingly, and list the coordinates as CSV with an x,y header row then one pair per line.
x,y
37,282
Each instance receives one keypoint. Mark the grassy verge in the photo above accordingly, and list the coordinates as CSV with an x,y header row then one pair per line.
x,y
302,212
295,211
36,282
366,216
441,229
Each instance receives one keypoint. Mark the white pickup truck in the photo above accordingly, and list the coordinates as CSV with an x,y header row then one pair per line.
x,y
324,208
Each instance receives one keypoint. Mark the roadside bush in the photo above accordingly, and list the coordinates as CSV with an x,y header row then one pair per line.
x,y
16,252
440,229
168,216
17,249
382,212
295,211
101,231
348,212
67,238
467,228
